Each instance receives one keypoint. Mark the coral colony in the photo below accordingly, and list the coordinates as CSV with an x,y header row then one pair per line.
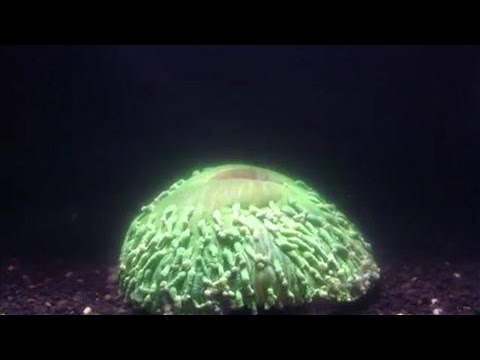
x,y
238,236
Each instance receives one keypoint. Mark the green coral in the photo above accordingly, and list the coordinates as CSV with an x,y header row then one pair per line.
x,y
238,236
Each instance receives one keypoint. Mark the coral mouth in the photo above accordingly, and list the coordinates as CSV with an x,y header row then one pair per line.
x,y
244,173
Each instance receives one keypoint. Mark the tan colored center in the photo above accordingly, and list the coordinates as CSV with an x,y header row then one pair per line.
x,y
250,174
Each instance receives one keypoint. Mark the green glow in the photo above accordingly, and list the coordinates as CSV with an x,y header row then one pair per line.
x,y
239,236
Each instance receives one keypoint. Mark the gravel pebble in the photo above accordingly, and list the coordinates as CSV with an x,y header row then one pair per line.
x,y
437,311
87,310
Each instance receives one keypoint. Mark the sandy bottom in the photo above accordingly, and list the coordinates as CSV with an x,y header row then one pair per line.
x,y
438,288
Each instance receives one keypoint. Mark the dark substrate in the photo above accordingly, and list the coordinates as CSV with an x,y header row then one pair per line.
x,y
440,288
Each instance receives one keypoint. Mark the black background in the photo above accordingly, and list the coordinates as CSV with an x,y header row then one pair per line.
x,y
388,133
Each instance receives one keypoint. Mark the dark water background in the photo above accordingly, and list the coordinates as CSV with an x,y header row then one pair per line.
x,y
389,133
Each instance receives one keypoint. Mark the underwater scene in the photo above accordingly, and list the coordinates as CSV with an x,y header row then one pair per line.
x,y
240,180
